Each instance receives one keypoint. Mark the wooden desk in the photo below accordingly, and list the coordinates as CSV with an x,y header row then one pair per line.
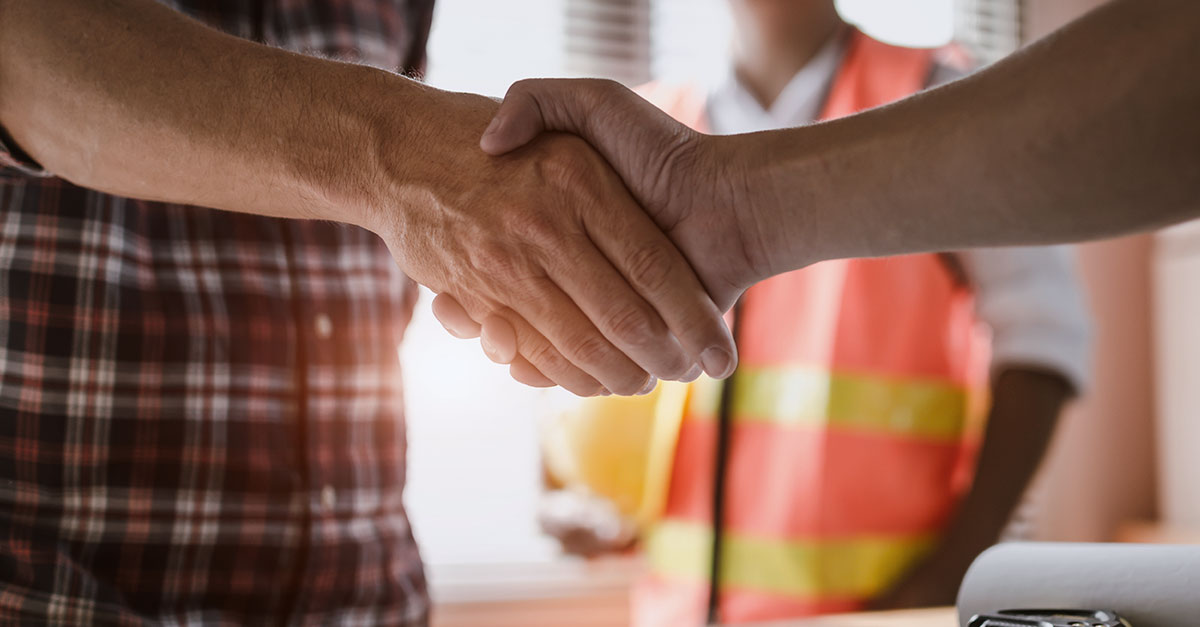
x,y
587,594
944,617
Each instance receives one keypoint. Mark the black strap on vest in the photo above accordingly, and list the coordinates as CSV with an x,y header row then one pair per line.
x,y
724,426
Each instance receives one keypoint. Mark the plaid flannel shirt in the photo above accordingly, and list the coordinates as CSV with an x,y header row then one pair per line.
x,y
200,413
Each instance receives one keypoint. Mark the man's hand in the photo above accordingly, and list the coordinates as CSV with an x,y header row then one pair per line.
x,y
1109,147
1025,408
585,525
933,582
547,240
132,98
687,182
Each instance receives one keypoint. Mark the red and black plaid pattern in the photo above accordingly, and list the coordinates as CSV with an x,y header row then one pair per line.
x,y
201,419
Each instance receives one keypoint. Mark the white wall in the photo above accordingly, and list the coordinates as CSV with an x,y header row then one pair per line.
x,y
1177,334
1101,471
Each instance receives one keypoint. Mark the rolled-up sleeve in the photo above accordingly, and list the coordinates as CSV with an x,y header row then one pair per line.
x,y
1033,301
13,158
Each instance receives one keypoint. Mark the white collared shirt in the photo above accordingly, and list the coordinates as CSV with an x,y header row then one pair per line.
x,y
733,109
1029,296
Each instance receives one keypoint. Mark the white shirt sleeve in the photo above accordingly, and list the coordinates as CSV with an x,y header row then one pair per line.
x,y
1032,300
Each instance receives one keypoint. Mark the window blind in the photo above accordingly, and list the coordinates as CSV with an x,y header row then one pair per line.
x,y
609,39
989,29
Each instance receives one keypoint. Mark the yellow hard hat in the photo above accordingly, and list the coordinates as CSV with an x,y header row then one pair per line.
x,y
619,448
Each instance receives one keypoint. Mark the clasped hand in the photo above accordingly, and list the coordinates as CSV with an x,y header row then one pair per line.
x,y
575,284
682,184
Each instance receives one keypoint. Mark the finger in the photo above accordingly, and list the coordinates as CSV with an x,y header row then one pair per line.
x,y
524,372
619,312
598,111
516,123
496,335
499,340
537,350
533,106
554,335
622,126
567,376
454,317
650,385
539,353
662,276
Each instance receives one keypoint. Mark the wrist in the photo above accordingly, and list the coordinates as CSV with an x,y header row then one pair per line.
x,y
968,535
361,149
327,147
830,191
779,205
729,162
418,142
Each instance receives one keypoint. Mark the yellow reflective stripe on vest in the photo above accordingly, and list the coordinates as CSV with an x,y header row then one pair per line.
x,y
857,568
810,396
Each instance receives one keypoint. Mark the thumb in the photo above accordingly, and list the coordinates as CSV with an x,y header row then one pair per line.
x,y
516,123
636,138
535,106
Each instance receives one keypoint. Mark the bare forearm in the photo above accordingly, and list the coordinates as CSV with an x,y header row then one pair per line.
x,y
1089,133
132,98
1026,407
1024,413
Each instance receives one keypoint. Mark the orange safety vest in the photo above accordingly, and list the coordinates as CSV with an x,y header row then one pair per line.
x,y
846,420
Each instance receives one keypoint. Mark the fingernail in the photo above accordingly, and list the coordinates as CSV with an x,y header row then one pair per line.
x,y
718,363
653,383
692,374
488,349
493,127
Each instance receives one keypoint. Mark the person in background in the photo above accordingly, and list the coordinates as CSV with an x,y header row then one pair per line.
x,y
827,474
1089,132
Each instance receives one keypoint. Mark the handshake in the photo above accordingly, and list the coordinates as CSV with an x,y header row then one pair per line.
x,y
597,272
594,242
601,272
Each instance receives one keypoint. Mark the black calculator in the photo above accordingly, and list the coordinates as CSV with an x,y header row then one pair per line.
x,y
1049,618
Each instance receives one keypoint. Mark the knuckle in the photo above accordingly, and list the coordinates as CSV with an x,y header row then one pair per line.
x,y
524,88
547,360
589,348
539,229
635,326
636,385
593,349
649,268
566,165
607,86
